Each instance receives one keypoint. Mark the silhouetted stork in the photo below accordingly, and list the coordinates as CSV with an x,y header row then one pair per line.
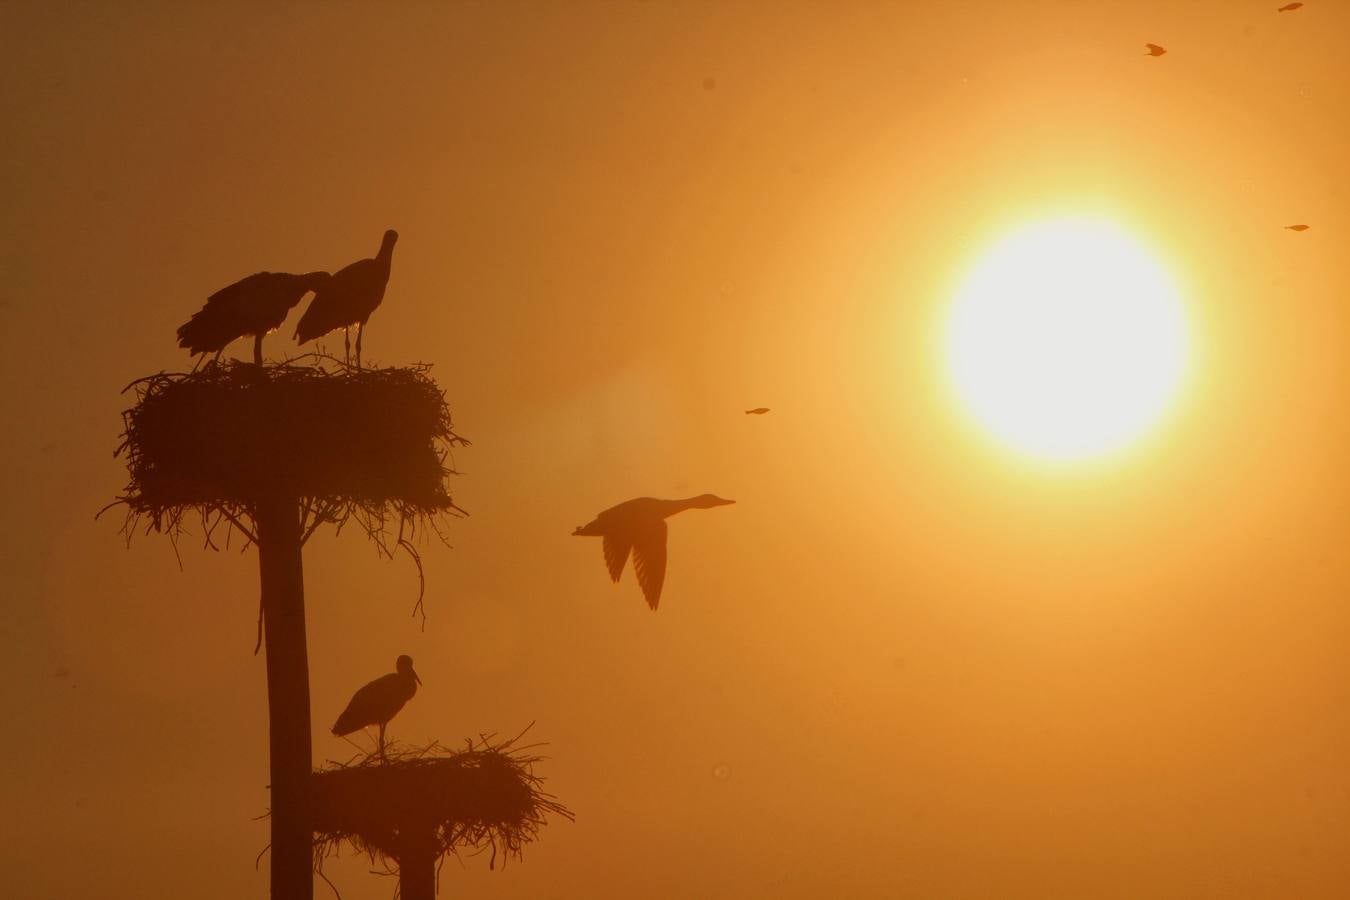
x,y
379,701
254,305
349,299
639,526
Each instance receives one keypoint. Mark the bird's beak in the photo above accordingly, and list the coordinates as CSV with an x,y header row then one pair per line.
x,y
415,678
726,502
577,531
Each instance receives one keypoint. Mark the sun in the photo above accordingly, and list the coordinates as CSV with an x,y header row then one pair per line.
x,y
1066,340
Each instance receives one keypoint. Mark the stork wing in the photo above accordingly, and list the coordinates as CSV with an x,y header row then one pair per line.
x,y
357,715
375,704
616,554
222,318
649,560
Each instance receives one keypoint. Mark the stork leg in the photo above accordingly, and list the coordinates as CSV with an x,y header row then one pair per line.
x,y
360,330
257,349
347,345
382,724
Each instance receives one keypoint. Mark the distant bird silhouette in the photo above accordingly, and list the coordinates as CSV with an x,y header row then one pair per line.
x,y
1297,227
639,526
379,701
1290,7
349,298
254,305
1154,50
757,411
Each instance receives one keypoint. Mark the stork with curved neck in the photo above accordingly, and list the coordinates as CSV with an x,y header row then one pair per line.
x,y
349,298
639,527
256,305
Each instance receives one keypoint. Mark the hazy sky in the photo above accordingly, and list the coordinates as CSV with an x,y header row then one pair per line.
x,y
905,663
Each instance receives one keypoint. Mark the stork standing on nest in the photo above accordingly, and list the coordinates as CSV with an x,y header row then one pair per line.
x,y
379,701
255,306
639,527
349,298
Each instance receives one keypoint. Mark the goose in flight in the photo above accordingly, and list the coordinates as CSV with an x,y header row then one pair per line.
x,y
349,298
379,701
1290,7
1297,227
253,306
757,411
639,527
1154,50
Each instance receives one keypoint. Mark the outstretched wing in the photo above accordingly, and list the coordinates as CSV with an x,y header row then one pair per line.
x,y
649,560
616,554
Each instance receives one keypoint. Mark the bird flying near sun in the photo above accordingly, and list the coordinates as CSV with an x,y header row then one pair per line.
x,y
639,527
1154,50
1066,339
757,411
1290,7
1297,227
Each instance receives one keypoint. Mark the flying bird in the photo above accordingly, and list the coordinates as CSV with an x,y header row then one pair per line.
x,y
349,298
1297,227
1290,7
757,411
639,526
1154,50
379,701
254,306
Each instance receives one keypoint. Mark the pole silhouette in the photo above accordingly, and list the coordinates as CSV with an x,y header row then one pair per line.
x,y
283,603
240,447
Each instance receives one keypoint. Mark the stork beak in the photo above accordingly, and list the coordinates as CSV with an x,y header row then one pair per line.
x,y
415,678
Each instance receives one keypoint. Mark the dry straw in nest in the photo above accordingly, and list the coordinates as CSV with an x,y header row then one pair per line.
x,y
485,796
343,442
237,432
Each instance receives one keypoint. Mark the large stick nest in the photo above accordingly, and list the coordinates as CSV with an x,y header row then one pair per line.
x,y
484,796
343,442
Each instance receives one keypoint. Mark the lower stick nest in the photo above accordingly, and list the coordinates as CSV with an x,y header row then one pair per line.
x,y
485,796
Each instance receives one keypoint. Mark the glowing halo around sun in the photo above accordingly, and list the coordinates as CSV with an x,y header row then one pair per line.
x,y
1066,340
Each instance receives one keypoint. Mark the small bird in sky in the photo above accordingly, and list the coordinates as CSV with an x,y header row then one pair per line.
x,y
1297,227
1154,50
1290,7
757,411
379,701
253,306
349,298
639,527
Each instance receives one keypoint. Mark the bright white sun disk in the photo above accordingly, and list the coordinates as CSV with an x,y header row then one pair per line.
x,y
1066,339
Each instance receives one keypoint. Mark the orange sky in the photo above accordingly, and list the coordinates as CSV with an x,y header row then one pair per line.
x,y
924,668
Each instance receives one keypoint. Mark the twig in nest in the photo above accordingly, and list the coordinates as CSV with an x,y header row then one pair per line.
x,y
318,869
